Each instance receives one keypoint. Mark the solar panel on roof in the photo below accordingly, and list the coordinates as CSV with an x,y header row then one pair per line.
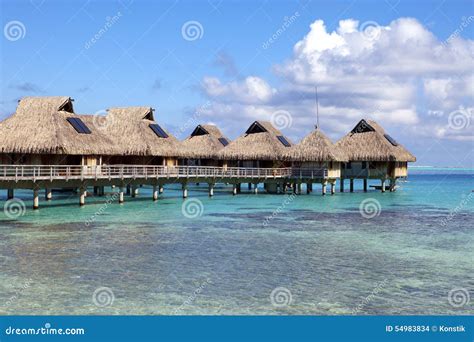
x,y
79,126
224,141
283,140
158,131
390,139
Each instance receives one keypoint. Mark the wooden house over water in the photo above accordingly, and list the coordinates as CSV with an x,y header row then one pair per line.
x,y
373,154
202,147
140,139
46,131
317,152
262,145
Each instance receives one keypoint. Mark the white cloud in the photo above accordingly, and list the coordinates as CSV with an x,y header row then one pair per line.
x,y
399,74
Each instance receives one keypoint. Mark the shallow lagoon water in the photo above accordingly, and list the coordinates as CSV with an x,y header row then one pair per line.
x,y
329,259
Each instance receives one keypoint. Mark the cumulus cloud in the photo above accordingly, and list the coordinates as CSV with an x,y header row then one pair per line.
x,y
400,74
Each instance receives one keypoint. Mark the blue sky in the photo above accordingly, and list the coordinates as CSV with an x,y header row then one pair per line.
x,y
232,74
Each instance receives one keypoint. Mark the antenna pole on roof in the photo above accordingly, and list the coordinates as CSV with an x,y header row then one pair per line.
x,y
317,108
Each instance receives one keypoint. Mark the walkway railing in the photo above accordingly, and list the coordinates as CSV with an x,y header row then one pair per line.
x,y
75,172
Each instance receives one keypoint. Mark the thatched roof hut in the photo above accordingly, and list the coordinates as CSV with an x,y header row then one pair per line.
x,y
46,125
261,141
369,142
204,143
135,132
315,147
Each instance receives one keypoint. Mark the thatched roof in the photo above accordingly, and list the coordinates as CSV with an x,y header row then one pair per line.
x,y
130,130
369,142
204,142
40,126
260,142
316,146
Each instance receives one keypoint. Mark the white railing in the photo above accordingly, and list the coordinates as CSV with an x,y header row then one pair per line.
x,y
74,172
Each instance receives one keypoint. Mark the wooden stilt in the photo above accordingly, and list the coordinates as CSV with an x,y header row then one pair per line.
x,y
121,194
365,184
341,184
82,196
234,189
128,190
299,188
351,185
185,190
383,185
250,186
10,194
211,189
155,193
308,188
333,188
96,190
36,199
323,190
239,188
161,189
255,189
48,194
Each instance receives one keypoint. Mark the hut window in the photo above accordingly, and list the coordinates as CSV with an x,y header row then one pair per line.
x,y
224,141
283,140
199,130
349,165
390,139
364,165
79,126
363,127
256,127
158,130
372,165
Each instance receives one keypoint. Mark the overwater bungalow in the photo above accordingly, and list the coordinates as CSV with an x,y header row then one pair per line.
x,y
373,154
46,131
316,152
202,147
262,146
140,139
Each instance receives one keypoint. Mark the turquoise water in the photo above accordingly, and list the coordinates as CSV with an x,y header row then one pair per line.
x,y
320,254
